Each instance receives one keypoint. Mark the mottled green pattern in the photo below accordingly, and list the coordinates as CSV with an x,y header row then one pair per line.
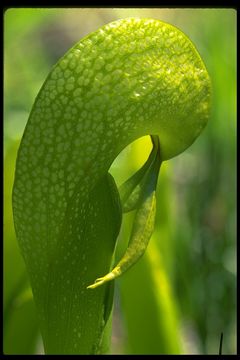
x,y
130,78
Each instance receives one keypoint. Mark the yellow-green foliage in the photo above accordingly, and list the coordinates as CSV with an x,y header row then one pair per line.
x,y
130,78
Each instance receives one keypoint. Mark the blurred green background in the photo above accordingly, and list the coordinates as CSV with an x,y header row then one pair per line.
x,y
182,293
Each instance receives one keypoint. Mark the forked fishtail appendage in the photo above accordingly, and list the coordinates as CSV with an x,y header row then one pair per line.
x,y
143,226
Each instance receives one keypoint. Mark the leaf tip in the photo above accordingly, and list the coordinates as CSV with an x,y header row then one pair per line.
x,y
102,280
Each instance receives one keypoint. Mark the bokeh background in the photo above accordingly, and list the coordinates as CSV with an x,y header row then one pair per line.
x,y
182,293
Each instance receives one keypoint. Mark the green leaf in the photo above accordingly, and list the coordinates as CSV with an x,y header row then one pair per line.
x,y
149,306
131,190
77,318
143,224
130,78
146,291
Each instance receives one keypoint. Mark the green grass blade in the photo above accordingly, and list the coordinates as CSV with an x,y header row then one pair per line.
x,y
19,315
149,308
146,291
